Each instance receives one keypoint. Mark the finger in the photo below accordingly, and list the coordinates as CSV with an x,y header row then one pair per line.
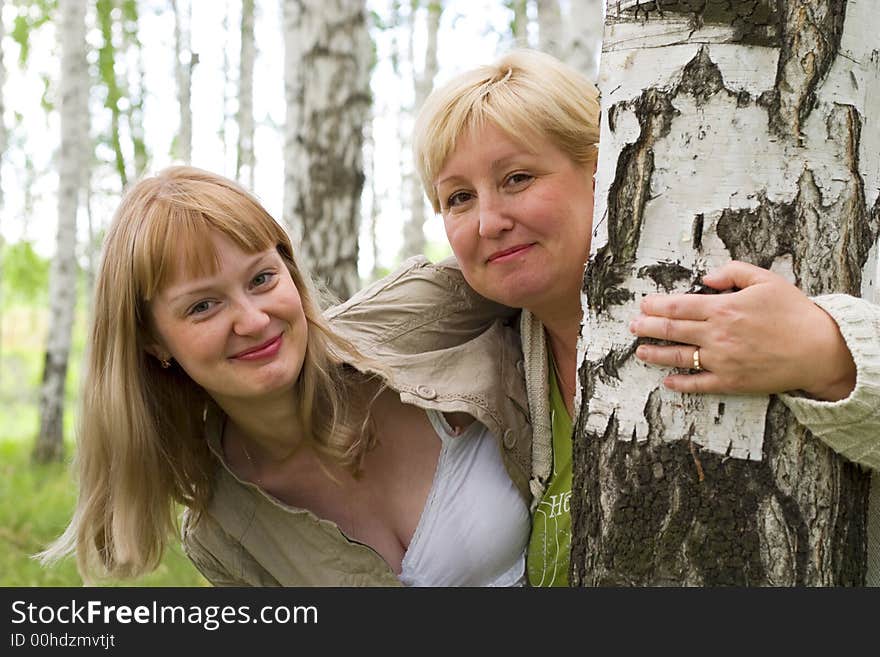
x,y
704,382
735,274
681,357
696,307
671,330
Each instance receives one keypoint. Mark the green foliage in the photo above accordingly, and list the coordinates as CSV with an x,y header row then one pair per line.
x,y
32,14
36,502
437,251
25,274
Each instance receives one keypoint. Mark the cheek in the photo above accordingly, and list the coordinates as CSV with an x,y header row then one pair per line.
x,y
459,239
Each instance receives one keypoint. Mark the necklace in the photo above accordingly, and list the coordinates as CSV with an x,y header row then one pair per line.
x,y
252,466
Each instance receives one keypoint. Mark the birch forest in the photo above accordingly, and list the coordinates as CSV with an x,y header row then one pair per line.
x,y
309,104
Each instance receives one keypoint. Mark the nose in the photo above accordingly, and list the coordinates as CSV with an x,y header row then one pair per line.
x,y
250,318
494,216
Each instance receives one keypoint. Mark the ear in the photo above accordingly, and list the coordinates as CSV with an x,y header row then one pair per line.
x,y
158,352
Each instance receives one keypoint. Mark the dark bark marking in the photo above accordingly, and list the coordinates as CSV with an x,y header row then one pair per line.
x,y
772,230
674,528
666,274
755,22
810,40
697,233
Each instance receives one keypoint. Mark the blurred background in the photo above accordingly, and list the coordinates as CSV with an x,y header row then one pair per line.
x,y
280,95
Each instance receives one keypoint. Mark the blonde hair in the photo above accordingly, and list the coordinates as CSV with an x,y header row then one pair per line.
x,y
140,441
527,94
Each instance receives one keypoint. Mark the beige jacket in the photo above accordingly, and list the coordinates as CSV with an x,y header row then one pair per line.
x,y
441,346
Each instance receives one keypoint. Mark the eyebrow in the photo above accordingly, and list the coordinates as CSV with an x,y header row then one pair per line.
x,y
202,289
494,164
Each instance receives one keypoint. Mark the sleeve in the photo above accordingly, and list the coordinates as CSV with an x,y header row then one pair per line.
x,y
850,426
419,307
204,559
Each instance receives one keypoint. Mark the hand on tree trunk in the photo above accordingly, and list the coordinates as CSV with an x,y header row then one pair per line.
x,y
766,337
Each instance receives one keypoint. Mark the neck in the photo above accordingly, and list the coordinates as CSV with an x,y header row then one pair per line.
x,y
562,336
271,429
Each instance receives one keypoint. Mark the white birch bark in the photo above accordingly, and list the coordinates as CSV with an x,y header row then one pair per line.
x,y
327,90
184,62
550,31
747,131
244,163
414,229
73,94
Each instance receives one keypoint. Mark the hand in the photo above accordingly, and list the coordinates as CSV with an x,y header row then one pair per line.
x,y
767,337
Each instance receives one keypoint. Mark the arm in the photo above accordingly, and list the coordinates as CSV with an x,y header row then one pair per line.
x,y
768,337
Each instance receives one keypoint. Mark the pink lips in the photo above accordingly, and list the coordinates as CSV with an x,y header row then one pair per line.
x,y
501,256
265,350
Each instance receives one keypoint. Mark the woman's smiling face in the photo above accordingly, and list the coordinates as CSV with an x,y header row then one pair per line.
x,y
240,332
518,220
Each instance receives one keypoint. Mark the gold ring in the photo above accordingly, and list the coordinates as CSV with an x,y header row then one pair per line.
x,y
697,365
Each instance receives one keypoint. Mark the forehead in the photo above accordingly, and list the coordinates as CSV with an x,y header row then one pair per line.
x,y
489,145
198,255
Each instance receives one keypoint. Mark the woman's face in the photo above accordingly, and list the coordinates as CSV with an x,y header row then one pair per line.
x,y
518,221
240,334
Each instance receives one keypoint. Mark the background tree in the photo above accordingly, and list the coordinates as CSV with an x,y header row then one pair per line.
x,y
73,95
729,130
584,36
3,139
550,29
185,60
244,162
423,82
327,88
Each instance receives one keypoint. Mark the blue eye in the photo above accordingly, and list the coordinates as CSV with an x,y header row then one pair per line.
x,y
263,278
199,308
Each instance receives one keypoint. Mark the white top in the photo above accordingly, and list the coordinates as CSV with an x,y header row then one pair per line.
x,y
475,526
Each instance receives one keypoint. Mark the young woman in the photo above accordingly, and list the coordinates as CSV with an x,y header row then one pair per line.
x,y
213,381
507,154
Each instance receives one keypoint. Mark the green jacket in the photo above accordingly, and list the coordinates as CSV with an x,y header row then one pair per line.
x,y
441,346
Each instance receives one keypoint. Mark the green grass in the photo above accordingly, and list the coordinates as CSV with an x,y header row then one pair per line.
x,y
36,501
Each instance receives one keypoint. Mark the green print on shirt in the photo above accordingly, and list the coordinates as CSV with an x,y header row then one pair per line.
x,y
549,545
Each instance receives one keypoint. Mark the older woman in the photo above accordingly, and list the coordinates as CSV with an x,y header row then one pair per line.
x,y
507,154
214,381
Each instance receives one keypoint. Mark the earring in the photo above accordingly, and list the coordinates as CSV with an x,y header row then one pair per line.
x,y
165,363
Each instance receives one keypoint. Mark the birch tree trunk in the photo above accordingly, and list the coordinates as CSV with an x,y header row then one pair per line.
x,y
519,26
414,229
244,161
729,130
184,62
327,90
73,95
550,33
3,141
583,29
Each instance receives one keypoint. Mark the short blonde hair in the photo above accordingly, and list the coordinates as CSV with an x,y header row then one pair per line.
x,y
141,444
527,94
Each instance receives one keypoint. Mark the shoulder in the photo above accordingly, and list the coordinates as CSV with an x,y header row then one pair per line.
x,y
419,305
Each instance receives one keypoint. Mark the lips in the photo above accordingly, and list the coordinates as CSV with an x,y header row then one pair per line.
x,y
506,253
265,350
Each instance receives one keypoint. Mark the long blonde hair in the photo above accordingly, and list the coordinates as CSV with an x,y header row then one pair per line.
x,y
140,439
528,94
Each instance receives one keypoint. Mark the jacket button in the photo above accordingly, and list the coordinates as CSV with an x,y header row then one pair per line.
x,y
509,439
426,392
521,367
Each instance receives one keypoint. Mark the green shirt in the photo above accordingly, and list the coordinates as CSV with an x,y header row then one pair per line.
x,y
549,545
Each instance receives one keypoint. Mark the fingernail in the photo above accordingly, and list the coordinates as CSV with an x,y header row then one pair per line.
x,y
632,326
